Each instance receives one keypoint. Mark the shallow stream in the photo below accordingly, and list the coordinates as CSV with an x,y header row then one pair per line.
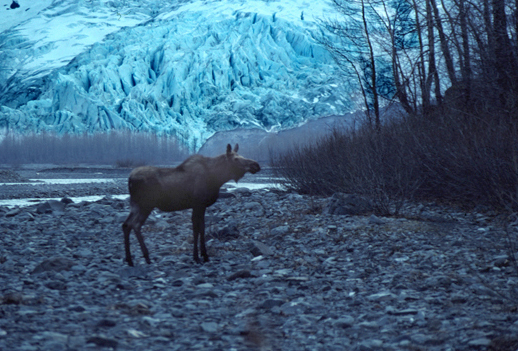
x,y
260,183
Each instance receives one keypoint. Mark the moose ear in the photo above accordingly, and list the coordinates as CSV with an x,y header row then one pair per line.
x,y
236,148
229,148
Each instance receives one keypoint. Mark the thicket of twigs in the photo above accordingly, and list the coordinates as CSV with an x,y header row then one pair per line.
x,y
438,157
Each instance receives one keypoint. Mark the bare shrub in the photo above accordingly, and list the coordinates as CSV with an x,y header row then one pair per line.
x,y
470,162
380,165
473,162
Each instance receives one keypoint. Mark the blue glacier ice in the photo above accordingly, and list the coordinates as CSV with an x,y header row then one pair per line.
x,y
188,69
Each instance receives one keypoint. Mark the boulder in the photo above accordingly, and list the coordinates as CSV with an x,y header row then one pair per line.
x,y
51,206
55,264
348,204
257,248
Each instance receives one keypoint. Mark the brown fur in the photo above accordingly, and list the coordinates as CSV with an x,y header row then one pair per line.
x,y
193,184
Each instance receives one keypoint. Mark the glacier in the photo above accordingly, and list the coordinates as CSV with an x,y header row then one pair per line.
x,y
183,68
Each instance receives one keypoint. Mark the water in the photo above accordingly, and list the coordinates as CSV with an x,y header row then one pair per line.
x,y
264,183
251,186
63,181
28,202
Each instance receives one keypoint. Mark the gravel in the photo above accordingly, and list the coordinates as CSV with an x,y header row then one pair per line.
x,y
284,275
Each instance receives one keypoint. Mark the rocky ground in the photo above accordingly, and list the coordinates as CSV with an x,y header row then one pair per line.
x,y
284,275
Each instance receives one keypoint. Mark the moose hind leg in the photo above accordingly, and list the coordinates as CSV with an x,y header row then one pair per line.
x,y
126,228
135,220
140,221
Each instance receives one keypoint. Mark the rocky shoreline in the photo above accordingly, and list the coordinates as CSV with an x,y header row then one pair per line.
x,y
284,275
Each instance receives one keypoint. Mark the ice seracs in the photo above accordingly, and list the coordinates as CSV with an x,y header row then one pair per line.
x,y
187,70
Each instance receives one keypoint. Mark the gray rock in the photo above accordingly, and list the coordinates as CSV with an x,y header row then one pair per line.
x,y
257,248
370,344
55,264
420,338
280,230
106,323
500,261
382,296
255,208
108,278
102,210
345,321
348,204
13,212
67,200
51,206
229,232
25,216
137,271
332,282
56,285
373,219
270,303
242,191
244,273
480,342
12,298
209,327
225,194
44,208
402,312
54,337
439,281
102,341
291,309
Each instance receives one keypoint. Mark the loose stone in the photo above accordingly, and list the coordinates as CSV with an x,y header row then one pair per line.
x,y
287,272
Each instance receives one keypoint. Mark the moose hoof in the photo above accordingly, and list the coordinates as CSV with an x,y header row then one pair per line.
x,y
205,258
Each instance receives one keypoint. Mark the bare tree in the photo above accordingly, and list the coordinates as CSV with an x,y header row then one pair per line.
x,y
352,45
399,34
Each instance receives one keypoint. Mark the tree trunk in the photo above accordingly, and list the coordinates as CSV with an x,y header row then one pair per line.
x,y
375,96
466,62
444,43
505,62
431,59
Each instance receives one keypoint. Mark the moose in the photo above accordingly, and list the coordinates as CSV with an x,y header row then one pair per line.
x,y
193,184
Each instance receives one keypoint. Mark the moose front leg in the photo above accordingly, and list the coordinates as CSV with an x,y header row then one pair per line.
x,y
202,238
198,228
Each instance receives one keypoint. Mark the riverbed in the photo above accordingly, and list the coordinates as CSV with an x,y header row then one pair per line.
x,y
89,183
284,274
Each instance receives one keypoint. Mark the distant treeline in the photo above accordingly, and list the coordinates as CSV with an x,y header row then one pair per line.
x,y
119,148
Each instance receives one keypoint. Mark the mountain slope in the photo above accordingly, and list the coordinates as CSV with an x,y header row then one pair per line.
x,y
188,69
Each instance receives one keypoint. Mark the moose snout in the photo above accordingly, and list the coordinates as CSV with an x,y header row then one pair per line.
x,y
254,168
